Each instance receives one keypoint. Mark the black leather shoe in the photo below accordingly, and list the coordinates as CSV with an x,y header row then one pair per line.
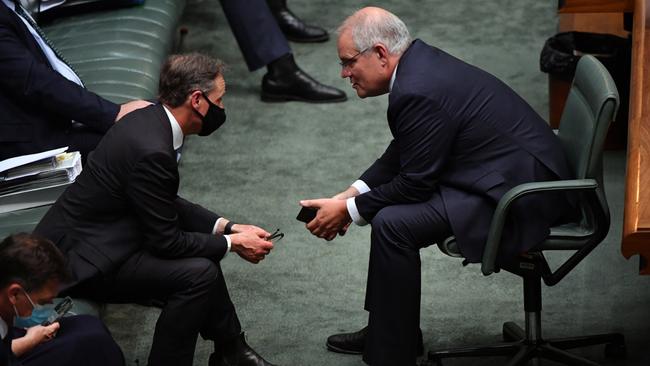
x,y
293,28
237,353
354,343
299,86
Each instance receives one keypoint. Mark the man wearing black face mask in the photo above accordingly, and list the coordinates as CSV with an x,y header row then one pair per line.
x,y
129,237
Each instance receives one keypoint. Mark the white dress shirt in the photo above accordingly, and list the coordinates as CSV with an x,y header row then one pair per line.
x,y
177,142
360,185
4,329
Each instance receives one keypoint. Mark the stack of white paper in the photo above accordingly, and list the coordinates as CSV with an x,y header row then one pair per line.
x,y
37,179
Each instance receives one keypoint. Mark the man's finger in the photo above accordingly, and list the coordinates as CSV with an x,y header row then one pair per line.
x,y
312,203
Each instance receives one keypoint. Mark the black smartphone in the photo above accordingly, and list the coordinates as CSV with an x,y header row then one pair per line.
x,y
60,310
306,214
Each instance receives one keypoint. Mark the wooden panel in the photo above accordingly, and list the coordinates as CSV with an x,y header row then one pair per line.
x,y
610,23
596,6
636,222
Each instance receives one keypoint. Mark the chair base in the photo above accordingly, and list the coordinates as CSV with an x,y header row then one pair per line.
x,y
522,350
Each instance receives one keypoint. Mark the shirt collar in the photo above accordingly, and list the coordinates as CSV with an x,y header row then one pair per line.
x,y
392,79
177,132
4,329
10,4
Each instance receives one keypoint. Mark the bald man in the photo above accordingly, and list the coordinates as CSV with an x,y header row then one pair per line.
x,y
461,139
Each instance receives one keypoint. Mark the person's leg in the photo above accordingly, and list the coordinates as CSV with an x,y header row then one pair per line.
x,y
193,296
263,44
81,340
392,336
393,289
256,31
293,28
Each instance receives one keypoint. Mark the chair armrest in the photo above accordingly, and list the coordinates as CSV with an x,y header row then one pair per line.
x,y
488,265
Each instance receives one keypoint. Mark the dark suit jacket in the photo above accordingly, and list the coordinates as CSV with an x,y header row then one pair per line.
x,y
7,357
37,104
125,201
459,129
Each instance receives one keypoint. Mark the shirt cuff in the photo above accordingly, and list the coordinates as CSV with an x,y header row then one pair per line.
x,y
216,225
354,213
229,242
361,186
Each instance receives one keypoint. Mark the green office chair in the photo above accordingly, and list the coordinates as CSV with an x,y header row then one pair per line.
x,y
590,107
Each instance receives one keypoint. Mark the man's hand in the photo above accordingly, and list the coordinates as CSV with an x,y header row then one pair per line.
x,y
253,247
332,217
34,336
130,107
348,193
243,228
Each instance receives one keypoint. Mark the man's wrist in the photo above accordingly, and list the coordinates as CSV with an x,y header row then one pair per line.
x,y
227,229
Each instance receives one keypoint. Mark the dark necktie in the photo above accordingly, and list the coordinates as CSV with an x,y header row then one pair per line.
x,y
20,10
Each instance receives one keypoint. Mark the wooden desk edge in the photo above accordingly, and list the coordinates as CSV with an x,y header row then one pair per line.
x,y
592,6
636,240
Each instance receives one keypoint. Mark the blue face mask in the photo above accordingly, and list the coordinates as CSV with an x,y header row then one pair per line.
x,y
39,314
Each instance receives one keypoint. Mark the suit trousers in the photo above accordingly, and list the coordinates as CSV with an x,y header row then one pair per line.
x,y
393,287
256,30
192,293
81,340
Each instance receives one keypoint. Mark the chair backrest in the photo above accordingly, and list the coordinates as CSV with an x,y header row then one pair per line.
x,y
590,108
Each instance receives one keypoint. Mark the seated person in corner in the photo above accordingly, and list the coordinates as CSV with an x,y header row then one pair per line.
x,y
41,97
461,140
31,271
129,237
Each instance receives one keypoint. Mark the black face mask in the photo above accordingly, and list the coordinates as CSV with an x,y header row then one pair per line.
x,y
213,119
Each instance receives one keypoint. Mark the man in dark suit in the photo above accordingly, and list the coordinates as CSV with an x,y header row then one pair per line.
x,y
129,237
41,96
461,139
31,271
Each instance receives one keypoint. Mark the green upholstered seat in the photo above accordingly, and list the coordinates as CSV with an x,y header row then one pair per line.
x,y
118,53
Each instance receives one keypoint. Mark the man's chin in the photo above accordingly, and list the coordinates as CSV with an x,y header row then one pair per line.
x,y
361,93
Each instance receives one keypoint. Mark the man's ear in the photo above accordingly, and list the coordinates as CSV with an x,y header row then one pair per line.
x,y
382,53
194,98
12,291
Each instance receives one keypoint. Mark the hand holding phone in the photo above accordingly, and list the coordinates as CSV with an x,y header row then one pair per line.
x,y
307,214
60,310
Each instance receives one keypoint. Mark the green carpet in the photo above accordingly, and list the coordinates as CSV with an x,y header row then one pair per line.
x,y
267,157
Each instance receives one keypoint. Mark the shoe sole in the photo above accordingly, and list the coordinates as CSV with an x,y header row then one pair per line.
x,y
272,98
341,350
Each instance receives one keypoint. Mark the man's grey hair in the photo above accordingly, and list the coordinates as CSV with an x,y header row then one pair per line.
x,y
370,28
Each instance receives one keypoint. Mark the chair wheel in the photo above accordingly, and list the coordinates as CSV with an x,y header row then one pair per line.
x,y
615,350
507,335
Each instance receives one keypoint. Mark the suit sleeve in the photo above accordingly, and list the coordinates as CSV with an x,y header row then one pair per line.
x,y
193,217
37,85
424,135
152,191
383,169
